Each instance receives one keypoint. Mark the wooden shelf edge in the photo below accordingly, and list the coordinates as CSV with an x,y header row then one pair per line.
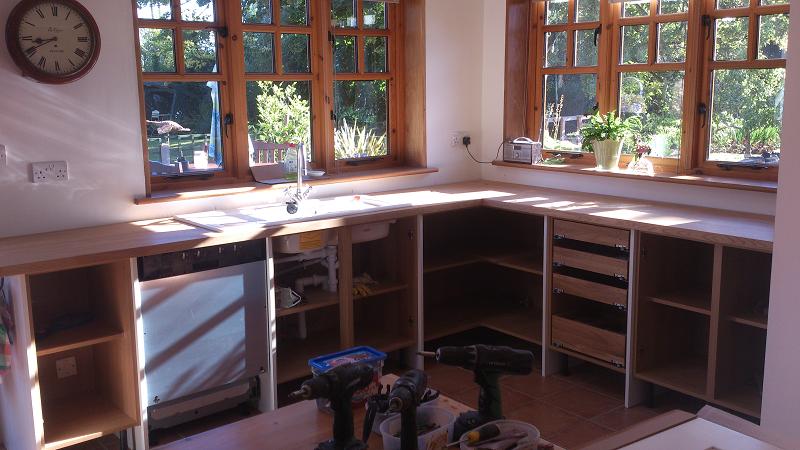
x,y
743,402
652,377
756,322
80,418
383,288
314,300
678,304
514,261
83,336
587,358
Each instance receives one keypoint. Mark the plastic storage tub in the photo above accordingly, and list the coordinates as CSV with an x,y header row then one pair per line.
x,y
433,440
363,354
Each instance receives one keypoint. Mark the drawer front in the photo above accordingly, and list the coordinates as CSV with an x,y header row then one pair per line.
x,y
590,261
612,237
592,341
587,289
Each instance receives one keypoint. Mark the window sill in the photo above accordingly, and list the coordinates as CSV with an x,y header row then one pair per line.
x,y
245,188
695,180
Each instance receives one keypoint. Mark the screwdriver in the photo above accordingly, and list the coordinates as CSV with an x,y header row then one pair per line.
x,y
481,434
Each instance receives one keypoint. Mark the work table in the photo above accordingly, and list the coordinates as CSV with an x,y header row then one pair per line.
x,y
78,247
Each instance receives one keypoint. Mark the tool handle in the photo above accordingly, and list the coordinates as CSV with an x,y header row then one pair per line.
x,y
490,404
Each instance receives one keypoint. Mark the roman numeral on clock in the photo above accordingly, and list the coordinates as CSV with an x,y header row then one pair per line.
x,y
80,53
42,62
54,10
27,38
83,38
77,26
58,66
31,51
40,13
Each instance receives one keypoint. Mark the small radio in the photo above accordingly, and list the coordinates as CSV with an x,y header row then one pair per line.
x,y
522,150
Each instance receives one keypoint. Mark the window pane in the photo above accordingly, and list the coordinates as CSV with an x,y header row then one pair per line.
x,y
278,113
636,8
673,6
568,102
344,54
361,109
774,2
197,10
374,14
773,36
728,4
259,55
657,99
557,12
731,39
585,50
200,51
191,141
375,49
295,53
158,49
587,11
746,113
555,49
294,12
672,42
634,44
256,11
343,14
154,9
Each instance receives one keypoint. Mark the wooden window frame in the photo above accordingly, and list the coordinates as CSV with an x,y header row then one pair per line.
x,y
406,78
524,75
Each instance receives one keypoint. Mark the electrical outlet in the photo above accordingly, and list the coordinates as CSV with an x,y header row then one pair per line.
x,y
456,138
3,156
48,172
66,367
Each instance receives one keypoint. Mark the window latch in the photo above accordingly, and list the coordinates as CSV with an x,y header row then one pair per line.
x,y
333,116
331,38
597,32
221,31
228,121
702,109
707,24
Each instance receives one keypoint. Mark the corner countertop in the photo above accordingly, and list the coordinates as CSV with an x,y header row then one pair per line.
x,y
61,250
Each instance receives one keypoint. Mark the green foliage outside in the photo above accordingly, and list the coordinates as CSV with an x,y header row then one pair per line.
x,y
282,114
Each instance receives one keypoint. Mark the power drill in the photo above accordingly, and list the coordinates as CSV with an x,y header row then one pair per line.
x,y
405,397
338,385
488,363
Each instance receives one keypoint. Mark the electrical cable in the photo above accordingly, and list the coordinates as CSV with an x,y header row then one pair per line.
x,y
497,155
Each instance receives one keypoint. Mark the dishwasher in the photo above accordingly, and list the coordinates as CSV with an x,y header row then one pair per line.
x,y
205,321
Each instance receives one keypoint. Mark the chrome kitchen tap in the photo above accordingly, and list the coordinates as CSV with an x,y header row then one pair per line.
x,y
295,196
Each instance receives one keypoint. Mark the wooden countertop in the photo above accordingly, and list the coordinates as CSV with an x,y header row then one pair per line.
x,y
298,426
94,245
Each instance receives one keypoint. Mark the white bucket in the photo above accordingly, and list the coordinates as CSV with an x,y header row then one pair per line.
x,y
433,440
508,426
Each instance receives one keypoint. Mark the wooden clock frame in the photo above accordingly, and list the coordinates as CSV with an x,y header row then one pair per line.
x,y
29,69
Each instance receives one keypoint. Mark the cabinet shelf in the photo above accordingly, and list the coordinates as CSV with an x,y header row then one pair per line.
x,y
381,288
745,400
79,418
293,355
79,337
385,343
750,319
687,376
698,302
519,323
314,299
522,261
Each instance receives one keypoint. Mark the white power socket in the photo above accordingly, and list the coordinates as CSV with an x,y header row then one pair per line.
x,y
456,138
66,367
48,172
3,156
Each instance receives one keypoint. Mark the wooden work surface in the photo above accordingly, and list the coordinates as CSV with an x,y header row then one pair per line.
x,y
86,246
298,426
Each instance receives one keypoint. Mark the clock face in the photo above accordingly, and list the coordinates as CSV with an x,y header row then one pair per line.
x,y
56,40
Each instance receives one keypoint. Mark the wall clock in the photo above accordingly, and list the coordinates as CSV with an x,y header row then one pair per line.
x,y
55,41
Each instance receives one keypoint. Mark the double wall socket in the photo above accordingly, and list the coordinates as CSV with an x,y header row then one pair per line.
x,y
456,138
48,172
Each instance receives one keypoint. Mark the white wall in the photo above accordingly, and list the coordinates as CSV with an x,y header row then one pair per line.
x,y
94,125
781,402
494,57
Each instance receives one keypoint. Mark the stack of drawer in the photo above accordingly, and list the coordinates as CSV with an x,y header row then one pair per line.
x,y
590,292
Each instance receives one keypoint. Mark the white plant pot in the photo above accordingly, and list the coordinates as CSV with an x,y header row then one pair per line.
x,y
607,154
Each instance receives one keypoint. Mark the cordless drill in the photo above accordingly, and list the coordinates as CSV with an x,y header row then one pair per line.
x,y
488,363
338,385
404,398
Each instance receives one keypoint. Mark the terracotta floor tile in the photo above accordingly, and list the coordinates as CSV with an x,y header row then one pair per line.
x,y
511,399
598,379
537,386
448,379
548,419
622,417
468,397
580,434
583,402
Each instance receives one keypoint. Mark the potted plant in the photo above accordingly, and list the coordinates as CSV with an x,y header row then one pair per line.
x,y
605,134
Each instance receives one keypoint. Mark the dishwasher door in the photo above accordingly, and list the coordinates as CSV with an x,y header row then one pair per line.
x,y
203,330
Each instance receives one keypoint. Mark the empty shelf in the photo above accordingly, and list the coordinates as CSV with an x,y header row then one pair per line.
x,y
699,302
314,299
82,336
80,418
688,376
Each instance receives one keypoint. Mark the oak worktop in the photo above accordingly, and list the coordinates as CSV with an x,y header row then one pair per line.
x,y
86,246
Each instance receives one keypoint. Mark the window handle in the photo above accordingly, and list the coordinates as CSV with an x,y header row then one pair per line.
x,y
228,122
707,24
702,109
597,32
